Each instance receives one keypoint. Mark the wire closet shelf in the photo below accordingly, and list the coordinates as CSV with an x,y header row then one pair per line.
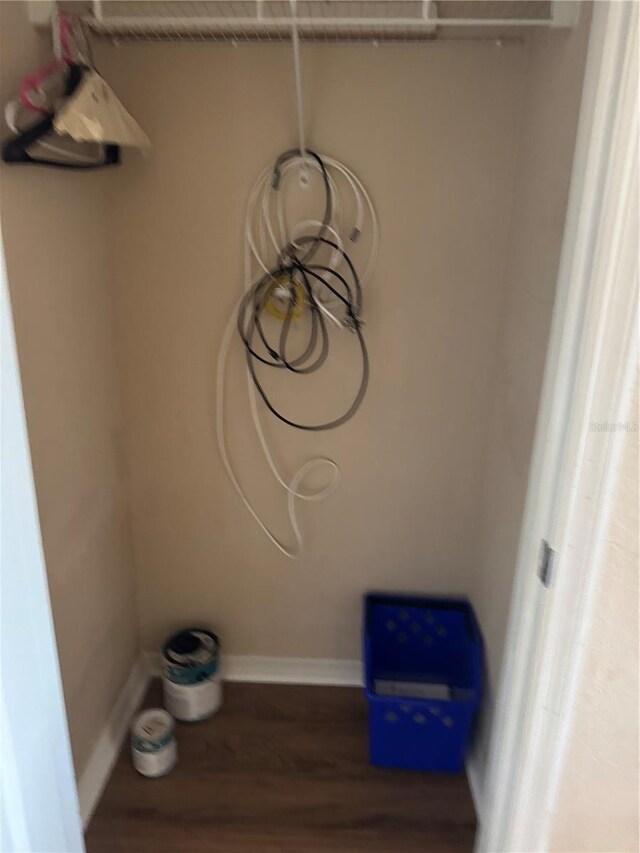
x,y
323,20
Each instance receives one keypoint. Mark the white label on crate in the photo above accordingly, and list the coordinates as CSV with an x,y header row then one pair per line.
x,y
411,689
191,702
156,763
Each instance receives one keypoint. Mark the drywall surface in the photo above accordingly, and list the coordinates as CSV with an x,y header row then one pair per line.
x,y
552,101
597,806
53,229
432,132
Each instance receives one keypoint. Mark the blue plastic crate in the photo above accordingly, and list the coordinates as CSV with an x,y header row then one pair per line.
x,y
423,680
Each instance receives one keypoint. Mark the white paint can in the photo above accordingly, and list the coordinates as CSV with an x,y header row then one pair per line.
x,y
153,743
191,680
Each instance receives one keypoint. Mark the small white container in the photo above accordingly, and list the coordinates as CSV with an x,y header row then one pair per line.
x,y
153,743
193,702
191,679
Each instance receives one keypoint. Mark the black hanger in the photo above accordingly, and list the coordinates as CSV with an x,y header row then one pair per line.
x,y
14,150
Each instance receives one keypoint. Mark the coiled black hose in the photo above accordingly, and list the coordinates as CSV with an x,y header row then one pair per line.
x,y
295,268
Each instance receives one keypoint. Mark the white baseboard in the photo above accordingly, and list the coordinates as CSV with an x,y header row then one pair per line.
x,y
268,670
96,774
478,751
475,777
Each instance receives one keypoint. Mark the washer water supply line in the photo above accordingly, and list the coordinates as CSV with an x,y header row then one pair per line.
x,y
298,283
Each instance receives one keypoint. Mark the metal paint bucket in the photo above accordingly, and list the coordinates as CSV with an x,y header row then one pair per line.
x,y
191,679
153,744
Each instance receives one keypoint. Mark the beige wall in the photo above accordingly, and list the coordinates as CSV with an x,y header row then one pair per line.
x,y
597,806
53,227
432,132
552,101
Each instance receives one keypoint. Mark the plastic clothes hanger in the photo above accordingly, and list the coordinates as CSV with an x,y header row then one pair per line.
x,y
93,114
20,119
40,92
36,82
24,147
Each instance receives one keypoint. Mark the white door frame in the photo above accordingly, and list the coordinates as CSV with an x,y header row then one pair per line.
x,y
38,800
591,364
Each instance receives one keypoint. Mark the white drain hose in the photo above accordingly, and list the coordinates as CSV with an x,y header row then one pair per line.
x,y
257,249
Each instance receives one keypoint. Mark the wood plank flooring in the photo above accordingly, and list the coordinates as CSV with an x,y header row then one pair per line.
x,y
280,769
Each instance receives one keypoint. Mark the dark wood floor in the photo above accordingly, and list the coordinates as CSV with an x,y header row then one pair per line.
x,y
280,769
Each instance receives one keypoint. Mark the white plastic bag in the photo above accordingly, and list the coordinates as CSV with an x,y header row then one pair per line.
x,y
94,114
